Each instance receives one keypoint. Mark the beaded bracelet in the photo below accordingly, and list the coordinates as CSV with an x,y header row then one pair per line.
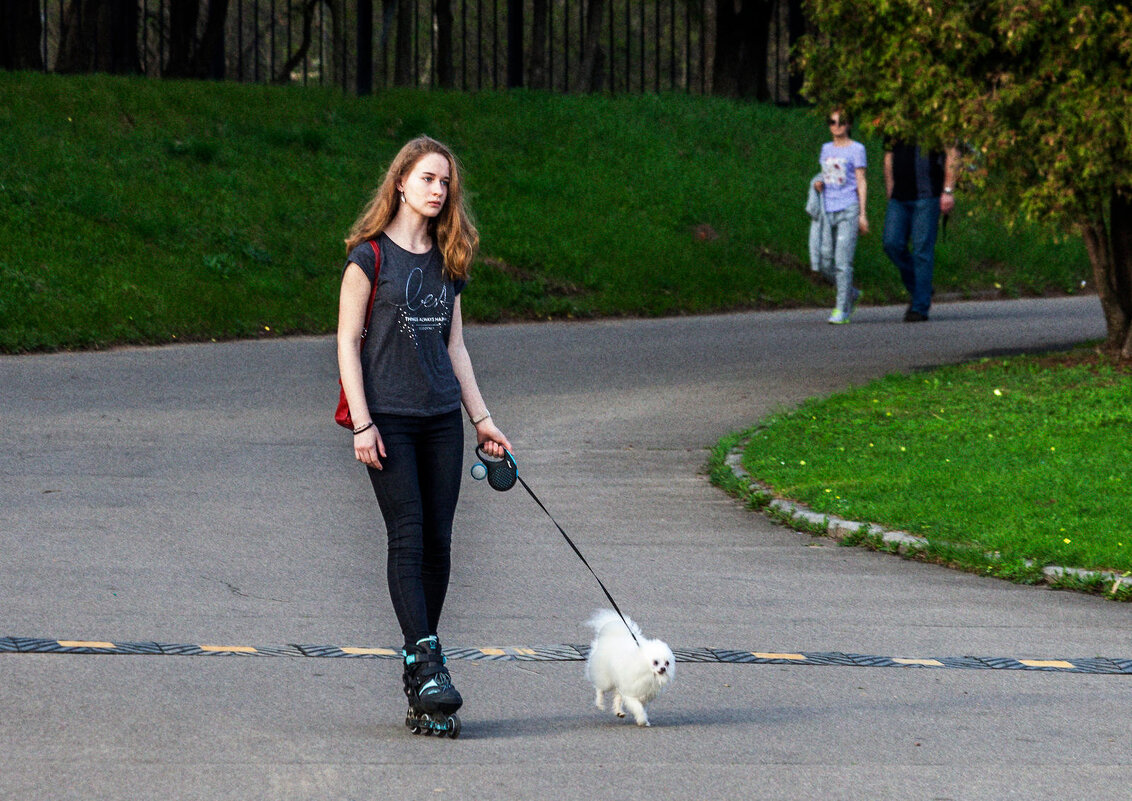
x,y
366,427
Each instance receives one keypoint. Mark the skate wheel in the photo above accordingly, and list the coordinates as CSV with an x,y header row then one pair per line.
x,y
428,725
453,727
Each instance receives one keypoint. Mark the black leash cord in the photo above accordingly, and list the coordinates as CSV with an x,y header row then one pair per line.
x,y
570,542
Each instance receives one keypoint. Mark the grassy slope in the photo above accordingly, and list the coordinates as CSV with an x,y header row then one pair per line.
x,y
142,211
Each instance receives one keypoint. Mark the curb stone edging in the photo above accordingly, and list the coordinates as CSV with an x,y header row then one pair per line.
x,y
802,517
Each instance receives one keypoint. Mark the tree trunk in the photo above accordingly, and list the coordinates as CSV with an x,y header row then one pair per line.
x,y
208,61
515,50
20,34
742,29
591,76
339,49
283,76
445,72
1108,240
1120,226
388,16
183,15
403,55
538,64
364,43
796,22
99,36
190,56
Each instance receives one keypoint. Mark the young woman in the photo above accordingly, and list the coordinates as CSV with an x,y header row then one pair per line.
x,y
405,385
843,189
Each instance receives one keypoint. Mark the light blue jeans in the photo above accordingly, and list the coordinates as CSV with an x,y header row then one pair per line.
x,y
838,247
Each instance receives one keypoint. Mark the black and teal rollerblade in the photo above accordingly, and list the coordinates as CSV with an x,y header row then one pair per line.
x,y
433,700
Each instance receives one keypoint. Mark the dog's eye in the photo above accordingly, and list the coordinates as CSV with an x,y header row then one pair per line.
x,y
655,663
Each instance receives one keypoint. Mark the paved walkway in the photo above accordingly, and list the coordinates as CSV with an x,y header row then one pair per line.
x,y
201,494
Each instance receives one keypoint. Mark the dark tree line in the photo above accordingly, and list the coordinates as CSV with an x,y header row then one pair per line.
x,y
102,36
742,43
20,32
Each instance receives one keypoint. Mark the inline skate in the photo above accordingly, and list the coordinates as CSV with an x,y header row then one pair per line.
x,y
433,700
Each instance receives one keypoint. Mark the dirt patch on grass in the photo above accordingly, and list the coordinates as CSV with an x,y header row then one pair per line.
x,y
1092,357
552,286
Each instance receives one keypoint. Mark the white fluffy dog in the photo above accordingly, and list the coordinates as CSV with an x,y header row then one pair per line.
x,y
634,673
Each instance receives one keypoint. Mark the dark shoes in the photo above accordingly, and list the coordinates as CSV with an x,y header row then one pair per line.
x,y
913,316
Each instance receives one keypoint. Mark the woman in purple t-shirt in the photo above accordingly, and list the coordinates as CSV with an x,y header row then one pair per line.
x,y
843,189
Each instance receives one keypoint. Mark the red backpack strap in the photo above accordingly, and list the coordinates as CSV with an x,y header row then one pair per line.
x,y
373,290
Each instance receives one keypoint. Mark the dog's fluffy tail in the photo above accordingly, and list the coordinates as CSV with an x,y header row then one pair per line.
x,y
604,617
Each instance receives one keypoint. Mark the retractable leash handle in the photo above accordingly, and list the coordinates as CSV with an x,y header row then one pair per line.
x,y
501,474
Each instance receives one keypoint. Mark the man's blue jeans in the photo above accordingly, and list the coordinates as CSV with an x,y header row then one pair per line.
x,y
910,228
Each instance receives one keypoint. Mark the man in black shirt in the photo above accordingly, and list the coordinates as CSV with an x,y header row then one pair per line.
x,y
920,188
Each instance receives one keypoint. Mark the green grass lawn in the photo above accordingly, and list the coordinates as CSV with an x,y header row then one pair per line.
x,y
144,211
1017,459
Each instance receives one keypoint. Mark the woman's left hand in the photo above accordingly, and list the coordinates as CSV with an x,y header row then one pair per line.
x,y
491,439
863,224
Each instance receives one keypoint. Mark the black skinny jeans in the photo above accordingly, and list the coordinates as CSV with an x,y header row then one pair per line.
x,y
417,490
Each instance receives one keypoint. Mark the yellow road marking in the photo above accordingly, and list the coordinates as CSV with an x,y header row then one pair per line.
x,y
1055,663
85,644
369,651
926,662
236,649
797,657
493,652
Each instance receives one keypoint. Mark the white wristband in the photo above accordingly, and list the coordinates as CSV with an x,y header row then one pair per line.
x,y
477,420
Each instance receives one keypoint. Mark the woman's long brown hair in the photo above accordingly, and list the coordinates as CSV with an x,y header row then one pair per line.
x,y
453,230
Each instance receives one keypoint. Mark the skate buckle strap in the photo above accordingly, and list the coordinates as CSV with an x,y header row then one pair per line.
x,y
426,650
426,664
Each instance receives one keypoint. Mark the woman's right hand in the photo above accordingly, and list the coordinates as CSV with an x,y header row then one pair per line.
x,y
491,439
819,185
368,447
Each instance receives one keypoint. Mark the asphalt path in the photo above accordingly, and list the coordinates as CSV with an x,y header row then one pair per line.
x,y
202,494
